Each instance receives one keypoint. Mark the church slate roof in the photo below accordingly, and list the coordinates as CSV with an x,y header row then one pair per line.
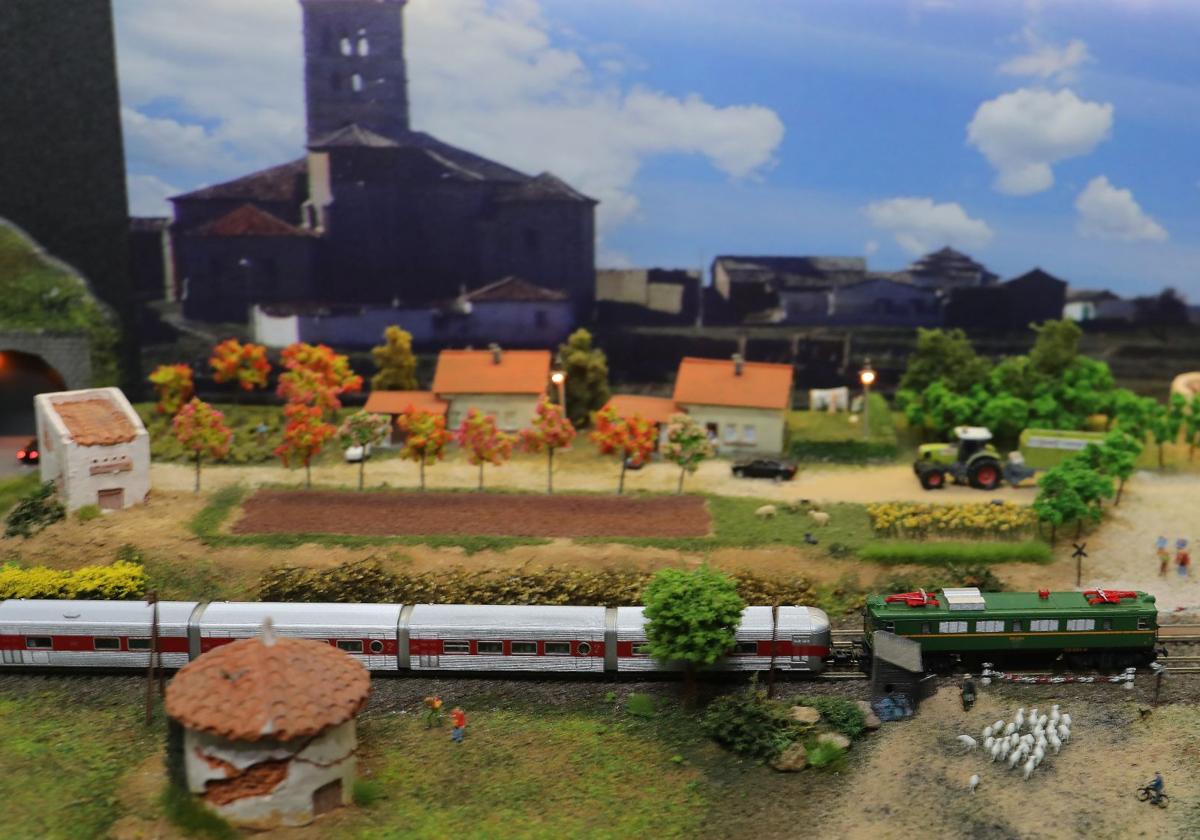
x,y
353,136
514,290
286,182
794,272
249,220
544,187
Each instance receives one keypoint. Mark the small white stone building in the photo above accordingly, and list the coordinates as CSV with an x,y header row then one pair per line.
x,y
94,447
269,728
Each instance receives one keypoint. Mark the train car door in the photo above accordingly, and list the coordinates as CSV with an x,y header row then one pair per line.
x,y
428,655
800,653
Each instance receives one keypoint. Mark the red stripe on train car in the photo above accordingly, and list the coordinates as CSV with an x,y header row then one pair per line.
x,y
166,644
783,650
436,647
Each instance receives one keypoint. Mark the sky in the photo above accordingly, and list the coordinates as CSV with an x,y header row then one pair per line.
x,y
1053,134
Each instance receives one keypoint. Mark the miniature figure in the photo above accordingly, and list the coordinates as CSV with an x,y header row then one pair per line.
x,y
968,693
459,718
1164,557
433,712
1154,792
1182,558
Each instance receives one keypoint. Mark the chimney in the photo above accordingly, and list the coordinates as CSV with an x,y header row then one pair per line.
x,y
742,345
495,348
738,362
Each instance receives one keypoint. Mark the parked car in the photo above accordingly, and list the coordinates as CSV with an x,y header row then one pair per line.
x,y
631,464
29,453
765,468
354,454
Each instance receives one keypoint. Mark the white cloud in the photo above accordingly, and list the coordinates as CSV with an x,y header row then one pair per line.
x,y
920,225
1106,212
203,84
870,247
1047,61
148,195
1024,132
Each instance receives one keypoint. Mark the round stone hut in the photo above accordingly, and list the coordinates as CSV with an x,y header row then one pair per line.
x,y
264,729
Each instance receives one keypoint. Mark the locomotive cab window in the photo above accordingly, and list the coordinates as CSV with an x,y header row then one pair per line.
x,y
524,648
558,648
461,647
1143,624
489,647
890,627
925,627
350,645
1017,626
39,642
106,643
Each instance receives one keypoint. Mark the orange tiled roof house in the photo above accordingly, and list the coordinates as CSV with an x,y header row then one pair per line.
x,y
507,384
742,404
93,447
267,728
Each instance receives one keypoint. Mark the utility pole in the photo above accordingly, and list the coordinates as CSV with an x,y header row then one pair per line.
x,y
152,600
1079,555
774,640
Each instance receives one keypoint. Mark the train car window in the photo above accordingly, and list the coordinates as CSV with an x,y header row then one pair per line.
x,y
925,627
39,642
465,647
350,645
376,646
584,648
558,648
952,627
1081,624
1044,625
139,644
524,648
1108,624
1017,627
641,649
488,647
1143,624
989,626
746,648
106,643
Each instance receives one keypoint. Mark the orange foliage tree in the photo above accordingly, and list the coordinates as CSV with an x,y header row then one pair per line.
x,y
173,385
551,430
425,438
304,436
631,439
483,442
201,429
316,376
245,364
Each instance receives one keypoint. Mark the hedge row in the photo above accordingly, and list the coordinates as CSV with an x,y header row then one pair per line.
x,y
956,553
119,582
368,581
852,451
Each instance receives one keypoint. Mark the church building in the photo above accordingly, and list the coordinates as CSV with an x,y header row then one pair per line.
x,y
375,212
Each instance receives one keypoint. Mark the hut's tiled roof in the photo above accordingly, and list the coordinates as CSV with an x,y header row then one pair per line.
x,y
95,422
281,688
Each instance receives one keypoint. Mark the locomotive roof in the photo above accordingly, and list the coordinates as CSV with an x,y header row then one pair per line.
x,y
491,617
251,614
1009,602
21,611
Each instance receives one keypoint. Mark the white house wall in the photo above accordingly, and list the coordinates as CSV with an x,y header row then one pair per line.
x,y
512,411
733,437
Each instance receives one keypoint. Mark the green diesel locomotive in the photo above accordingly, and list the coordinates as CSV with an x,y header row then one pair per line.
x,y
1097,628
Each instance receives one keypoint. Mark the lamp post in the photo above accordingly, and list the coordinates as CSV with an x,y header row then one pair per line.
x,y
867,377
559,378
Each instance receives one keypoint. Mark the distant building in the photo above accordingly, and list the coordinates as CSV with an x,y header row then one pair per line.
x,y
1032,298
754,285
743,405
877,300
949,269
151,260
1097,305
631,296
507,384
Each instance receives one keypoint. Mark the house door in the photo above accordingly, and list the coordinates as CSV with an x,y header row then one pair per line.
x,y
327,797
111,499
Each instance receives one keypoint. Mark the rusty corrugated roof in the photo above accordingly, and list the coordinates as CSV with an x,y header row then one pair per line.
x,y
716,382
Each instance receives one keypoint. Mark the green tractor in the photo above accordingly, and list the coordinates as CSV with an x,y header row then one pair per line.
x,y
973,460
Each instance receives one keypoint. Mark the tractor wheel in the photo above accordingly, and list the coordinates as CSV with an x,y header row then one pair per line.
x,y
933,479
984,474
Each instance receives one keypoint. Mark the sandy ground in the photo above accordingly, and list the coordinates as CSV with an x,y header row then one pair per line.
x,y
912,782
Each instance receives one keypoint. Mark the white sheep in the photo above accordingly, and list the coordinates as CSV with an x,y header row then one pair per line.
x,y
987,743
1029,767
1064,732
996,747
973,782
968,742
1010,729
1037,760
1039,753
987,733
819,516
1014,760
1065,720
1055,743
766,512
797,505
1019,720
997,726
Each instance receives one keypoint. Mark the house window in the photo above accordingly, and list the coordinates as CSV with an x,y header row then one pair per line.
x,y
106,643
749,434
350,645
139,644
39,642
1044,625
558,648
458,647
952,627
989,626
1081,624
510,419
454,419
489,647
731,432
524,648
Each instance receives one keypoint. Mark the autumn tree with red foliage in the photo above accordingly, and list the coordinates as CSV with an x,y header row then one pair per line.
x,y
304,435
629,438
425,438
483,442
245,364
551,431
174,387
316,376
201,429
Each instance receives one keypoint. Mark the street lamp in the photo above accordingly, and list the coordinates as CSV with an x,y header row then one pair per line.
x,y
559,378
867,377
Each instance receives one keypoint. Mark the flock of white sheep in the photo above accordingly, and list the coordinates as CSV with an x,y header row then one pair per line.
x,y
795,506
1005,741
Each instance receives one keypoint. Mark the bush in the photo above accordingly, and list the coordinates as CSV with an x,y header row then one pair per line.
x,y
640,705
118,582
847,451
13,490
956,553
366,792
88,512
980,577
750,724
823,755
34,512
841,715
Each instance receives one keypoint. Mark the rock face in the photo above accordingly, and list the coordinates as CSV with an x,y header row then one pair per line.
x,y
805,714
835,738
870,719
791,760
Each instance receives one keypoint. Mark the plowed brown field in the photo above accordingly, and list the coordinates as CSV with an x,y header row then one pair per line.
x,y
484,514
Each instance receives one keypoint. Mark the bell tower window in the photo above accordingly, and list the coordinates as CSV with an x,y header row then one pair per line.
x,y
347,47
356,83
364,47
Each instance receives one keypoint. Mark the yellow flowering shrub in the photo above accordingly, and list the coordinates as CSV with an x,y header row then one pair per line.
x,y
119,582
909,519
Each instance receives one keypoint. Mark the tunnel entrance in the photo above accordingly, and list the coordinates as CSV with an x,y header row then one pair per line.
x,y
23,376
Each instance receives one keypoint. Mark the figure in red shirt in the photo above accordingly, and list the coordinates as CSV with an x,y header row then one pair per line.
x,y
459,718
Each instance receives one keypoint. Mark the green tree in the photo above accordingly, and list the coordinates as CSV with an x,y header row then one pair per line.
x,y
1133,414
1092,486
366,430
1058,501
1116,456
1006,415
201,428
691,617
1165,421
395,362
1055,348
586,369
687,445
1192,426
946,355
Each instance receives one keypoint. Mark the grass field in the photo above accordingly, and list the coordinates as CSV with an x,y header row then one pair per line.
x,y
12,489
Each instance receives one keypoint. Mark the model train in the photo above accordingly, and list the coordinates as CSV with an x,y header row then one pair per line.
x,y
391,637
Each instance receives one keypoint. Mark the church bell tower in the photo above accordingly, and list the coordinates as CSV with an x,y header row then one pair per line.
x,y
354,66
